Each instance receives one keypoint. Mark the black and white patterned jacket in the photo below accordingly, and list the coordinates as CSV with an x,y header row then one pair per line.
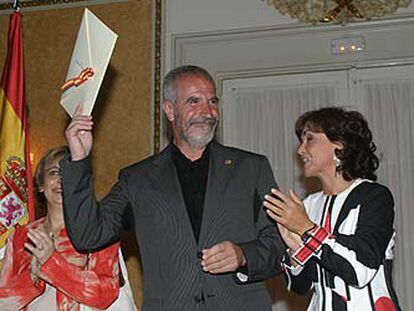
x,y
350,268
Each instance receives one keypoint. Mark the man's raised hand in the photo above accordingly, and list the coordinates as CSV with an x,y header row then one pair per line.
x,y
79,135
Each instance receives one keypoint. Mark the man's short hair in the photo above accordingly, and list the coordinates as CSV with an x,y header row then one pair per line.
x,y
169,84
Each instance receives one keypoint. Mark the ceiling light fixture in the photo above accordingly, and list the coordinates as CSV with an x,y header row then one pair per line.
x,y
336,11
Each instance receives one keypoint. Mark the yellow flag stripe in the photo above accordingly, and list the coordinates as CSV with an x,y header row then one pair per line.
x,y
12,138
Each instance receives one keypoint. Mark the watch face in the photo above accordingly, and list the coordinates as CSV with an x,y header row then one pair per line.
x,y
307,234
305,237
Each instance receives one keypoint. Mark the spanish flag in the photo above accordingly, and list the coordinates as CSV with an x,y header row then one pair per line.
x,y
16,183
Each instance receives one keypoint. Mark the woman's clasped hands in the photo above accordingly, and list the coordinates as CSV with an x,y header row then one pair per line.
x,y
289,213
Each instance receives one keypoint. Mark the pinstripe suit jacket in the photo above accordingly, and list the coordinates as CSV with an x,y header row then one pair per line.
x,y
149,193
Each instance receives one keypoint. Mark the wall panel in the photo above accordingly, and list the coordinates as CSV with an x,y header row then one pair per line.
x,y
122,113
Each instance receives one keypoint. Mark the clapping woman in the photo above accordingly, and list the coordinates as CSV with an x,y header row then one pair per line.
x,y
340,239
42,270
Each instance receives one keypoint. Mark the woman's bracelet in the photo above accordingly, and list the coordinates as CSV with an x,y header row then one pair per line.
x,y
305,236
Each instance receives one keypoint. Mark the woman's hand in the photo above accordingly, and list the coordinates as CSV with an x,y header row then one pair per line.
x,y
34,269
42,247
288,211
291,239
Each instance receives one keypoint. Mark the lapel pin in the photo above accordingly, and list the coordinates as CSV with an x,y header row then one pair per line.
x,y
228,162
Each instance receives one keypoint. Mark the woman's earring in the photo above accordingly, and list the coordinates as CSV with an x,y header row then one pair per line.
x,y
337,164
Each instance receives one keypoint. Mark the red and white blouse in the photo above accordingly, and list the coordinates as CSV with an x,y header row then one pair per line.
x,y
67,280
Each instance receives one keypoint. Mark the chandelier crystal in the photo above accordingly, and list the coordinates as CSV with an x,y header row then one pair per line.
x,y
337,11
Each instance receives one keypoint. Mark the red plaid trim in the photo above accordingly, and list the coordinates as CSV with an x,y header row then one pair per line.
x,y
311,246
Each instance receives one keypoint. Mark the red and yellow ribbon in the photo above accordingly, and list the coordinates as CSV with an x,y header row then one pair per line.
x,y
84,76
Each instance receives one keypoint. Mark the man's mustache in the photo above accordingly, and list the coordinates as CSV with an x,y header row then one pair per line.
x,y
204,120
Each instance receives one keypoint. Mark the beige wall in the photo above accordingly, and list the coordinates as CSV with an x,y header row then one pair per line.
x,y
122,113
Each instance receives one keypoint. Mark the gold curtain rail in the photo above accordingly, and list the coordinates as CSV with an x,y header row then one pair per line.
x,y
36,3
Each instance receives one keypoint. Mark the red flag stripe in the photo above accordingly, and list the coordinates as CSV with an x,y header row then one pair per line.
x,y
12,80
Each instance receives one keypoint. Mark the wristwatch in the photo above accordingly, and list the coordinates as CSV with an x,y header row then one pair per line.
x,y
307,234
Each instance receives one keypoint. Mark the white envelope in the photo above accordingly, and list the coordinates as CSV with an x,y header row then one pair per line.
x,y
90,58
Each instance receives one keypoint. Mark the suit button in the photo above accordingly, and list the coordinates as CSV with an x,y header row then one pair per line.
x,y
197,299
200,255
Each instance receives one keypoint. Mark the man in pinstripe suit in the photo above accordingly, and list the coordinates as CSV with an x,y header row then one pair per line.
x,y
205,241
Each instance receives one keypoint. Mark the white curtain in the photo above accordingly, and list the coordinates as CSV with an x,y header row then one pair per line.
x,y
389,107
261,119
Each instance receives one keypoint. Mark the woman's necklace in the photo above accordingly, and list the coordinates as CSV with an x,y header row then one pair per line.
x,y
52,232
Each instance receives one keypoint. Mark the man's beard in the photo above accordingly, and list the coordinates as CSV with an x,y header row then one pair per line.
x,y
200,140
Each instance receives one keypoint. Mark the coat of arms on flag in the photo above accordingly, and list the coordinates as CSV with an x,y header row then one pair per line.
x,y
13,195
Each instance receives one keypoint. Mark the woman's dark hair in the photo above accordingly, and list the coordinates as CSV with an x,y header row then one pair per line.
x,y
358,158
40,173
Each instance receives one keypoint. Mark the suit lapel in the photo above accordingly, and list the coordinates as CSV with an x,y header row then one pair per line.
x,y
221,169
168,185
